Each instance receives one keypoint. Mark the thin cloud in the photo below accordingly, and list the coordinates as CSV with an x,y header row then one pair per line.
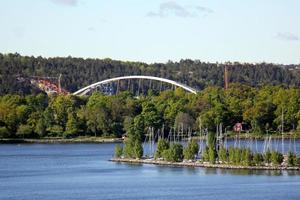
x,y
66,2
204,9
91,29
173,8
287,36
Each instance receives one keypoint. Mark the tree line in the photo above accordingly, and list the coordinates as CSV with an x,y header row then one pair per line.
x,y
78,72
213,153
263,109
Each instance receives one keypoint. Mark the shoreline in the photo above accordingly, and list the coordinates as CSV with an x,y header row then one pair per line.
x,y
198,164
60,140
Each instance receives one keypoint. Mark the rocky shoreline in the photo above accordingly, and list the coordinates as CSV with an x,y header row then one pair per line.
x,y
199,164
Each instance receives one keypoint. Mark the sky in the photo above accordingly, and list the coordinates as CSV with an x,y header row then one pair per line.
x,y
154,30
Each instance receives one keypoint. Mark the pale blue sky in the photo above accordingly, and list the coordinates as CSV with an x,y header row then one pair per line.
x,y
154,30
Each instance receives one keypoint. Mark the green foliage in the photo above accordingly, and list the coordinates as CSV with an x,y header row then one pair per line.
x,y
267,156
212,155
41,127
72,126
55,130
4,133
297,162
222,154
246,157
191,150
24,131
291,159
133,144
118,151
101,115
211,144
231,155
128,150
151,116
276,158
236,156
258,159
61,106
205,155
162,145
174,153
77,72
138,149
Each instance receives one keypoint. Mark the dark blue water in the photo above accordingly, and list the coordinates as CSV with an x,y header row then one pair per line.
x,y
81,171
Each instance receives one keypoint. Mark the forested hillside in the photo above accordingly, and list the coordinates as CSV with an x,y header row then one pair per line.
x,y
78,72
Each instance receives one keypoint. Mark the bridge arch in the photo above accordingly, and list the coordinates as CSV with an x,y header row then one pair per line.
x,y
94,85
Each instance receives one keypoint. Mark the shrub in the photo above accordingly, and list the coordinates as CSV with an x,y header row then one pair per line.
x,y
138,149
174,153
267,156
133,149
191,150
258,159
161,146
118,151
235,155
276,158
246,157
291,159
205,155
231,155
212,155
297,163
222,154
128,151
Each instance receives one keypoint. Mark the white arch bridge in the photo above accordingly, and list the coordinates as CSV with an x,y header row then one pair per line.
x,y
94,86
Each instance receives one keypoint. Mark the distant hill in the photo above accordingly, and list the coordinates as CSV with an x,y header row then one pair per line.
x,y
79,72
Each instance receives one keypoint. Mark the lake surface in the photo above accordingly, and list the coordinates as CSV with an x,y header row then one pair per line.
x,y
81,171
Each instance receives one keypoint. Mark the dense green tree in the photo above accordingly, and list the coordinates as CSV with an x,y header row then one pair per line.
x,y
191,150
174,153
24,131
152,118
61,106
4,133
138,149
162,145
41,127
72,126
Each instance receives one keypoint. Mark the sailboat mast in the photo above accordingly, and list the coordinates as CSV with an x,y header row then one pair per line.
x,y
282,124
